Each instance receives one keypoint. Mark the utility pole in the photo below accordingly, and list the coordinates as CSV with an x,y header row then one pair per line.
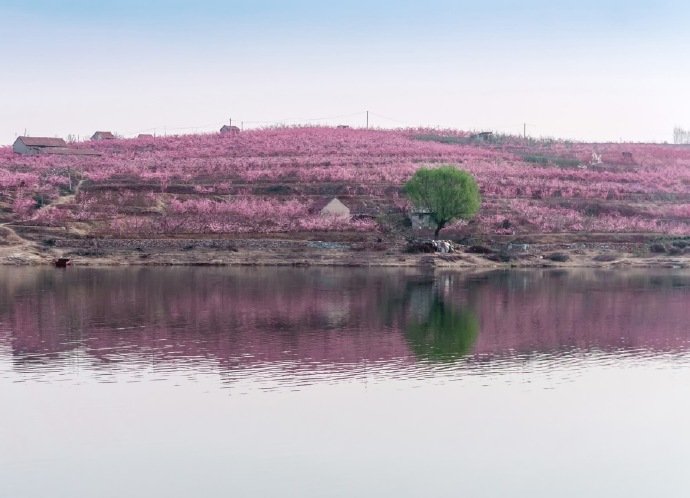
x,y
524,130
241,125
367,120
230,121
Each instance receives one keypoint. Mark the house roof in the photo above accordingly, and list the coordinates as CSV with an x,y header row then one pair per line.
x,y
482,134
322,202
329,205
104,134
356,205
42,142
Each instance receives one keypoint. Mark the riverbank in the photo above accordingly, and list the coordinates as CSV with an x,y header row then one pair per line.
x,y
534,252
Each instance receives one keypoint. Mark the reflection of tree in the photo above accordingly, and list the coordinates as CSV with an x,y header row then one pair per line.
x,y
445,334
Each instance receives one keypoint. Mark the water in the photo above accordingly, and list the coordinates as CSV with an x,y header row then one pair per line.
x,y
182,382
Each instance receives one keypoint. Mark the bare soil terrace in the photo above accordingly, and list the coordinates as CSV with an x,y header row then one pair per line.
x,y
35,246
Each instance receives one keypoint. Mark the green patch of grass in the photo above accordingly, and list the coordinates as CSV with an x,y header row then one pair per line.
x,y
444,139
563,162
535,159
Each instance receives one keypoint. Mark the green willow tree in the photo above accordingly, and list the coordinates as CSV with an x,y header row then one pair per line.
x,y
447,192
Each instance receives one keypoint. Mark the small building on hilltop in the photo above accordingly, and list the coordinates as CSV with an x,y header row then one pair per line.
x,y
49,146
482,137
421,219
36,145
331,207
229,130
145,135
103,135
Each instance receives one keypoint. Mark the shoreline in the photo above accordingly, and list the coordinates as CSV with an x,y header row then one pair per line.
x,y
319,253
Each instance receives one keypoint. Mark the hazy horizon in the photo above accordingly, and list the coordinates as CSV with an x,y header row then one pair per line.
x,y
591,71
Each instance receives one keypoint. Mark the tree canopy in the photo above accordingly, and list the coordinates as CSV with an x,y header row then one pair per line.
x,y
447,192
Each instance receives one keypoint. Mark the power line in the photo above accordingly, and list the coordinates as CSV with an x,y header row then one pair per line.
x,y
306,119
154,128
388,118
296,120
249,122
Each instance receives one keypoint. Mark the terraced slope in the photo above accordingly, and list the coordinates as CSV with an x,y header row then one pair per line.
x,y
270,181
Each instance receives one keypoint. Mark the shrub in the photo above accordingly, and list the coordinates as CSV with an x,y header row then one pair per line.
x,y
559,257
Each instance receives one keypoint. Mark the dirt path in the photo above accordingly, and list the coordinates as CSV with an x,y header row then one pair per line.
x,y
15,249
26,245
9,234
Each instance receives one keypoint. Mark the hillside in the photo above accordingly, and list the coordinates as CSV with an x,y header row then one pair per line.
x,y
265,183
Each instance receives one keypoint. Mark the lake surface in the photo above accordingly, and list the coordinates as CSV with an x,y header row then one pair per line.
x,y
217,382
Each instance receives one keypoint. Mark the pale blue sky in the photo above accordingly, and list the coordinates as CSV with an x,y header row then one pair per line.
x,y
594,70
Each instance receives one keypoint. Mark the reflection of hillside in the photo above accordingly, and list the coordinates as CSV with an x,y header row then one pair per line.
x,y
256,315
532,311
329,316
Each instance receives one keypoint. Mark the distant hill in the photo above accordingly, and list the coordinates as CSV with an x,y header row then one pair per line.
x,y
268,181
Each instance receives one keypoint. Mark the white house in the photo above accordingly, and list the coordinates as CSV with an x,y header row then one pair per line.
x,y
421,219
47,145
36,145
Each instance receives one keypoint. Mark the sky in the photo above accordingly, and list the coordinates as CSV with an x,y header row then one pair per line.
x,y
595,70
